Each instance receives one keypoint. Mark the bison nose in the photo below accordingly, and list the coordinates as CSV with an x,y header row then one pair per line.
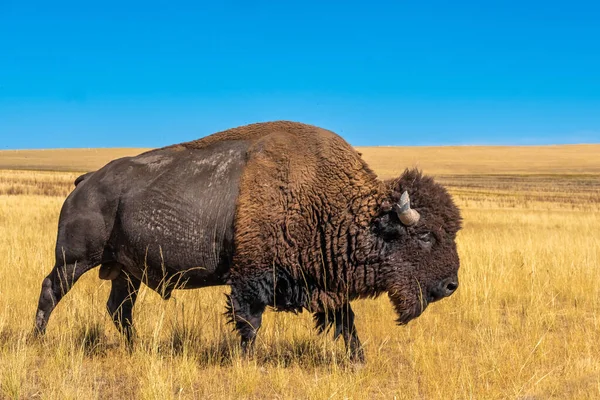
x,y
444,289
451,286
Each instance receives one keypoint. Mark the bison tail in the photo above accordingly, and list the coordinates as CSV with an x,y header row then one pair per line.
x,y
83,177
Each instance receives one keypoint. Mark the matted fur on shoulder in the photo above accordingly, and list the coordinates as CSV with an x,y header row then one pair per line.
x,y
305,198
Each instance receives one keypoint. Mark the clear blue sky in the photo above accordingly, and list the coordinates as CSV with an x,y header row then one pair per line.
x,y
148,73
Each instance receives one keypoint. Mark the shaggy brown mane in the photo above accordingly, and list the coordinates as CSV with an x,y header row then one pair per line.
x,y
305,195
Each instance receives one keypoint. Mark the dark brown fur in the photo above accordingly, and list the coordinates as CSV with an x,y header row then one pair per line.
x,y
304,198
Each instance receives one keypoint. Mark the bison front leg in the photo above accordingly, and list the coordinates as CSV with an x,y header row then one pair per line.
x,y
245,308
343,321
353,345
123,294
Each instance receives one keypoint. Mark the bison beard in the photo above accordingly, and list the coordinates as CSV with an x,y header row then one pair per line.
x,y
312,228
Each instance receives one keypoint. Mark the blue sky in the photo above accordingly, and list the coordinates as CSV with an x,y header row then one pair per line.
x,y
152,73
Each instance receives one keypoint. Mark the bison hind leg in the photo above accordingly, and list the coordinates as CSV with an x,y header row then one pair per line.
x,y
55,286
123,294
83,232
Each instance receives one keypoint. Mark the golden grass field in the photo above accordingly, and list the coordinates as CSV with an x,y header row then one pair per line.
x,y
524,324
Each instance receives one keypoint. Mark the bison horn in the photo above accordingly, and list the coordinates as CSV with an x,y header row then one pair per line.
x,y
407,215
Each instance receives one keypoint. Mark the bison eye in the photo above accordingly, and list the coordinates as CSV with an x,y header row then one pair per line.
x,y
426,237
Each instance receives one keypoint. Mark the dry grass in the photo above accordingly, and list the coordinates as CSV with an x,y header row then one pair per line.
x,y
537,192
62,159
525,323
45,183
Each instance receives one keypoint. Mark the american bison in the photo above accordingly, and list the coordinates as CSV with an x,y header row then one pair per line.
x,y
287,214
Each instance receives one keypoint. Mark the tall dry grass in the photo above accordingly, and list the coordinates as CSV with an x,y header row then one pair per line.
x,y
45,183
524,324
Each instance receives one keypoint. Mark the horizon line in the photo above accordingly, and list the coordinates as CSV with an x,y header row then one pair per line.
x,y
371,146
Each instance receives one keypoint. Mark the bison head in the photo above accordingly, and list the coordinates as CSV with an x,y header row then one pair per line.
x,y
418,224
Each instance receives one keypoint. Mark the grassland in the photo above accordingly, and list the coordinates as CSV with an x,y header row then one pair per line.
x,y
387,161
525,323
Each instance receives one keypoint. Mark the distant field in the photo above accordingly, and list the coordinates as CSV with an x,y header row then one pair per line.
x,y
387,161
62,159
524,324
513,176
467,160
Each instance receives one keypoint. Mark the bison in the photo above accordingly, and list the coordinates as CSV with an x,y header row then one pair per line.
x,y
287,214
